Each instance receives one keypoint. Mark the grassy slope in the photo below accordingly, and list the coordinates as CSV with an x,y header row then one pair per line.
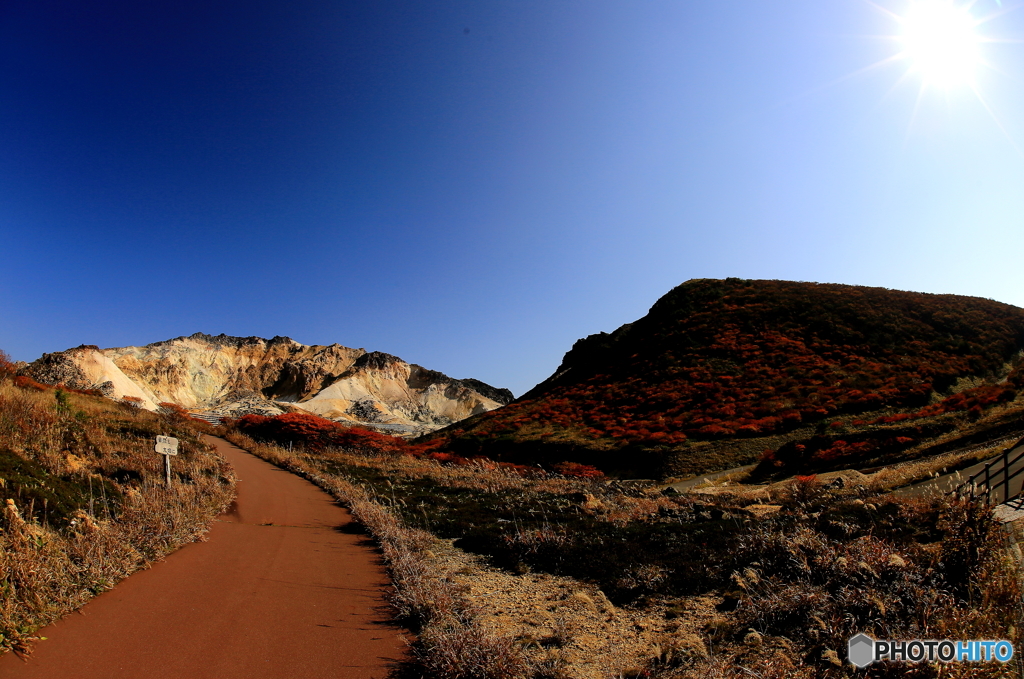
x,y
85,500
720,371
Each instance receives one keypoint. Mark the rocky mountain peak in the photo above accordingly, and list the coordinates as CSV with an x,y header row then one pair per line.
x,y
234,375
376,360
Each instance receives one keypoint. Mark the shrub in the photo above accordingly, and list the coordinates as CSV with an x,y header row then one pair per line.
x,y
6,365
173,410
583,471
817,588
26,382
132,401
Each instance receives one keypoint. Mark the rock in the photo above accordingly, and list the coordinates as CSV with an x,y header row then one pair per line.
x,y
235,376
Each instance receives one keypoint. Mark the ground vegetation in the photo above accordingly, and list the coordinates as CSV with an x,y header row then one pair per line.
x,y
579,577
84,500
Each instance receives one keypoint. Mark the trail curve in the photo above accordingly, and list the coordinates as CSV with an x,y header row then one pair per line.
x,y
285,586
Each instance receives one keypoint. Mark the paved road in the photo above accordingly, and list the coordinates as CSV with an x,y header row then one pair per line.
x,y
949,482
283,588
689,484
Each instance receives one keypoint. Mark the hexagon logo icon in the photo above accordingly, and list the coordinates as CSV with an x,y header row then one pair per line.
x,y
862,650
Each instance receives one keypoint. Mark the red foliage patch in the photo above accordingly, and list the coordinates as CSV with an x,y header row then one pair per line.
x,y
584,471
133,401
26,382
316,433
173,409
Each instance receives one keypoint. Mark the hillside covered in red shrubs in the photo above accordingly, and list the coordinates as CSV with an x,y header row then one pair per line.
x,y
314,434
726,360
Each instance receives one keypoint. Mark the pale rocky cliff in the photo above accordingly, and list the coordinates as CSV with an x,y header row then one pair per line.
x,y
236,375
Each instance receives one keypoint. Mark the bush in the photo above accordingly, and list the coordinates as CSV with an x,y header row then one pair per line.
x,y
315,433
583,471
26,382
817,589
132,401
173,410
6,365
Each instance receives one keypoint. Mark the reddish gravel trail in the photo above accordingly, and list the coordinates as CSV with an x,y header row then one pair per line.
x,y
278,591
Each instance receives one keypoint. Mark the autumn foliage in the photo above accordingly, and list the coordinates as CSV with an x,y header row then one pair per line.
x,y
315,433
732,359
583,471
6,365
26,382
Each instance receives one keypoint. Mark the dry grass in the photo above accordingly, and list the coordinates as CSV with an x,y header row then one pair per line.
x,y
477,474
836,562
913,471
86,504
707,584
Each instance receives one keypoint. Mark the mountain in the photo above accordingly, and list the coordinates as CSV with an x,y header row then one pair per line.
x,y
238,375
721,371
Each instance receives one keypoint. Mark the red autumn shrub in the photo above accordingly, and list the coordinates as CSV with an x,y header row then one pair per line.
x,y
576,469
26,382
173,409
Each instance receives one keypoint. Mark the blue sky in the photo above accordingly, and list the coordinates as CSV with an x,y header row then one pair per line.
x,y
475,185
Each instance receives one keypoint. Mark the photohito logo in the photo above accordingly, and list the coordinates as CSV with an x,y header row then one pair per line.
x,y
864,650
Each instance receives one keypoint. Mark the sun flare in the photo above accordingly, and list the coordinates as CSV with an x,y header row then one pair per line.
x,y
940,41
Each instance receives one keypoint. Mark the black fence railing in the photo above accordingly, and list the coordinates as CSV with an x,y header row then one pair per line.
x,y
993,482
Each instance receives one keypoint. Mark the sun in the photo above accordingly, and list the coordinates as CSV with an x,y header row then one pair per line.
x,y
939,39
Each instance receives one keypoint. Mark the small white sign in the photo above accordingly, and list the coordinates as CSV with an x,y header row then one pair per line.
x,y
166,445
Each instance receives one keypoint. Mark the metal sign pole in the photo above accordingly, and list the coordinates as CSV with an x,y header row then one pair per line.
x,y
167,470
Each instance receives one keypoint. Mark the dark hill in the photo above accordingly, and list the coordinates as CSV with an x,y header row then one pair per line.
x,y
720,370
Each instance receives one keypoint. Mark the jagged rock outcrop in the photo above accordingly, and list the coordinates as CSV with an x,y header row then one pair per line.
x,y
239,375
86,367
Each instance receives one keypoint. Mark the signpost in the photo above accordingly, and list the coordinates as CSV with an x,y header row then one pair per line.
x,y
167,446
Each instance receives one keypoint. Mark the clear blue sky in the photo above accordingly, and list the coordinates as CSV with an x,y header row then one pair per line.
x,y
475,185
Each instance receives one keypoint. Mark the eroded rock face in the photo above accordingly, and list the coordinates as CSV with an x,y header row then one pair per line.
x,y
237,375
62,368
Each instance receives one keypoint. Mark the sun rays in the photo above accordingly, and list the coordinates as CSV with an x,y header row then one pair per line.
x,y
940,48
941,43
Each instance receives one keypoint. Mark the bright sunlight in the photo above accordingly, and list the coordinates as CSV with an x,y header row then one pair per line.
x,y
940,41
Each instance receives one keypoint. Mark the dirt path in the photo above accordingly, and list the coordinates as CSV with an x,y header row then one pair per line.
x,y
284,587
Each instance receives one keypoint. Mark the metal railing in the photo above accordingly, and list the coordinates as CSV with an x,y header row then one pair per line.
x,y
208,417
993,481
